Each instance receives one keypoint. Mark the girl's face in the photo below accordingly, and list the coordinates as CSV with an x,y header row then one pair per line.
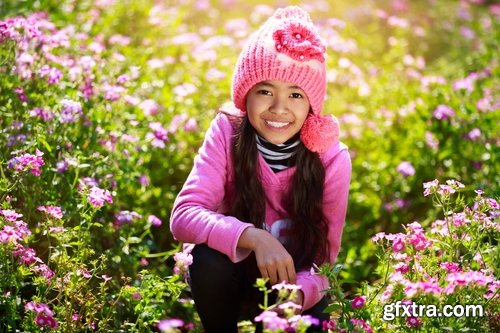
x,y
277,110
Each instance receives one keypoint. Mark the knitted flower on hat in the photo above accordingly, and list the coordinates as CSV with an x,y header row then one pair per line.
x,y
287,47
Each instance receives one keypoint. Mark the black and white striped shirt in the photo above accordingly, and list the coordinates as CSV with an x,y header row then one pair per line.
x,y
278,157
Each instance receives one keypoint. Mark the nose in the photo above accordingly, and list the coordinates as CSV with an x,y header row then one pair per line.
x,y
279,104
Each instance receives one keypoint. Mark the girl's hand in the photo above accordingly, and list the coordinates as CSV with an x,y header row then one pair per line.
x,y
273,260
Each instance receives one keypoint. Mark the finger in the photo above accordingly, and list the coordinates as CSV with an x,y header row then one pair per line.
x,y
292,275
273,276
283,274
263,273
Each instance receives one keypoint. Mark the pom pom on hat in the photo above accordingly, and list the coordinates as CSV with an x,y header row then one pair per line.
x,y
319,132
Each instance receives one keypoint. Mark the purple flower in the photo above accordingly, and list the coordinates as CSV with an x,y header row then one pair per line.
x,y
126,217
398,245
26,255
10,215
474,134
362,324
113,93
412,321
182,261
71,110
144,180
45,115
358,302
167,325
443,112
46,321
28,162
46,272
149,107
41,308
272,321
451,267
419,241
430,187
159,135
153,220
98,196
52,211
406,169
191,125
61,166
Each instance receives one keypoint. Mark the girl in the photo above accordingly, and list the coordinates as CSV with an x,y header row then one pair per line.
x,y
267,194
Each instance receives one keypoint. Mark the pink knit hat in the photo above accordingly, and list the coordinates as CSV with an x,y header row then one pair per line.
x,y
287,47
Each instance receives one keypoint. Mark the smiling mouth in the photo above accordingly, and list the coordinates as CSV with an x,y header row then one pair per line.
x,y
277,124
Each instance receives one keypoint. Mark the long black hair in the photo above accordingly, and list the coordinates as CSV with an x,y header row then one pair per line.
x,y
308,242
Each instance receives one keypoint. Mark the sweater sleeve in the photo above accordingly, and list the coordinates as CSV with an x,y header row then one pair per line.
x,y
336,192
195,218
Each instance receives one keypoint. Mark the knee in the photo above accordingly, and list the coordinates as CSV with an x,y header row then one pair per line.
x,y
208,262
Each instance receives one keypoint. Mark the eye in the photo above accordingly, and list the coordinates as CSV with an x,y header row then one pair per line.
x,y
296,95
264,92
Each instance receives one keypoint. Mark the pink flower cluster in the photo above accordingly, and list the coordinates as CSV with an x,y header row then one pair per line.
x,y
28,162
14,232
52,211
44,316
274,322
450,187
158,136
182,262
98,196
167,325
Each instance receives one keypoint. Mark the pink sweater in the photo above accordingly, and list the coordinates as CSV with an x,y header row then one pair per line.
x,y
197,216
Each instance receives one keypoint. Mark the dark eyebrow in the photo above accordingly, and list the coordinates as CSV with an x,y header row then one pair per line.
x,y
268,84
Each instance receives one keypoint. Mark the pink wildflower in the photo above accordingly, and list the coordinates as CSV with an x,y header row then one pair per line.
x,y
41,308
98,196
401,267
167,325
182,262
443,112
154,221
362,324
26,255
46,321
406,169
329,325
412,321
28,162
70,111
52,211
378,236
474,134
358,302
272,321
451,267
10,215
159,136
287,286
419,241
430,187
398,245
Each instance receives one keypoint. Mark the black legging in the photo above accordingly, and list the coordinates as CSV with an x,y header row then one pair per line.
x,y
224,292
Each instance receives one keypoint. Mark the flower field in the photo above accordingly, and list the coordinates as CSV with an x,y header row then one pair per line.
x,y
104,104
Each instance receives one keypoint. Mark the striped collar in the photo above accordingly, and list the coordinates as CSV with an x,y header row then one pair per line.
x,y
281,156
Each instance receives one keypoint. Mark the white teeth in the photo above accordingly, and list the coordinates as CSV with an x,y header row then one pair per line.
x,y
276,124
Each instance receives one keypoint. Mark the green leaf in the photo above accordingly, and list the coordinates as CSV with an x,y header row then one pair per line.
x,y
332,307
